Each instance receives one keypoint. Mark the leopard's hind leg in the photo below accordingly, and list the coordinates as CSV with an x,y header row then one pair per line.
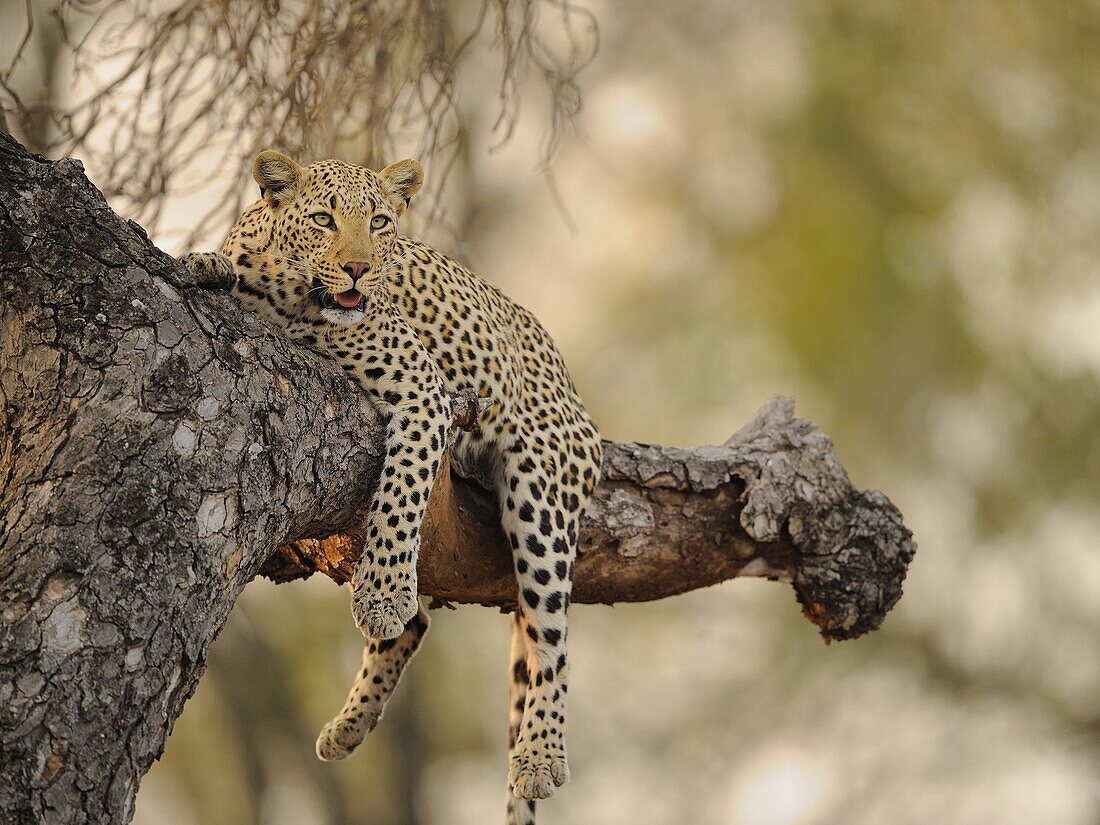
x,y
548,479
520,811
384,661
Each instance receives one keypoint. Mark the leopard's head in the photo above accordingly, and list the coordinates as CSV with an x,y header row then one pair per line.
x,y
335,224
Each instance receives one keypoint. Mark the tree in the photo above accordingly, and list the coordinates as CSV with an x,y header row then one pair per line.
x,y
160,447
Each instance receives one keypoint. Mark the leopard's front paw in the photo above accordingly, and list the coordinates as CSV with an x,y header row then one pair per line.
x,y
383,615
536,775
211,270
344,734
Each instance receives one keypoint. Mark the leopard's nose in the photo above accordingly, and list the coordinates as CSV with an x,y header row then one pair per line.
x,y
356,268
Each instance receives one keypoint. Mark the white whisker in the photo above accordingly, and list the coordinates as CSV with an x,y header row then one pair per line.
x,y
392,264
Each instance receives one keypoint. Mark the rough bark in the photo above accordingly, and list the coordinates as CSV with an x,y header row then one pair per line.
x,y
159,447
773,501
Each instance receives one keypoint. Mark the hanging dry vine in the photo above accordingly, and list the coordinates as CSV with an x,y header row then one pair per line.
x,y
157,90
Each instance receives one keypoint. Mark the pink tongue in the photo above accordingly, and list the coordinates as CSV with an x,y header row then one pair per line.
x,y
349,299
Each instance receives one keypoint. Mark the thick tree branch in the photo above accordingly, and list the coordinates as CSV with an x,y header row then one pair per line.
x,y
159,447
773,501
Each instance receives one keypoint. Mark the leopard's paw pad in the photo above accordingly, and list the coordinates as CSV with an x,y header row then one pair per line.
x,y
538,776
382,616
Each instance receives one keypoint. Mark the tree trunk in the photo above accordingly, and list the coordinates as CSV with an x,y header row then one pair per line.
x,y
159,447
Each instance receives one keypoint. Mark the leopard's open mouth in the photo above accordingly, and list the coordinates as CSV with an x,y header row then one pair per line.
x,y
350,300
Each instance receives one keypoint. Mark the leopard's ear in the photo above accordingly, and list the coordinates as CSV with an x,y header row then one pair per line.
x,y
401,181
278,176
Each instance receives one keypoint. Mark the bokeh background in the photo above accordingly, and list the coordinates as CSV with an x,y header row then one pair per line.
x,y
888,210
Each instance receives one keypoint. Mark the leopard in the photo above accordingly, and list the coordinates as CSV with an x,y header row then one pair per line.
x,y
319,255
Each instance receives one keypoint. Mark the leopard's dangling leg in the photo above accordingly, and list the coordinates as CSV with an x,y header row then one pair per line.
x,y
388,360
520,811
384,661
547,481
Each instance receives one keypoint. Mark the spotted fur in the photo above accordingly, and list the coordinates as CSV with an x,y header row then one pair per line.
x,y
383,662
320,255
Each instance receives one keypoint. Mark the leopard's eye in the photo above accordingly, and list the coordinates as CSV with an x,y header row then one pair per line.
x,y
323,219
379,221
